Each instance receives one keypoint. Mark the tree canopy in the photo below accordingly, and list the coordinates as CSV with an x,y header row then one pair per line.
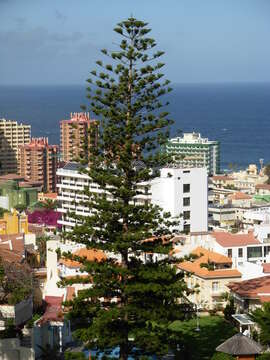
x,y
262,317
136,293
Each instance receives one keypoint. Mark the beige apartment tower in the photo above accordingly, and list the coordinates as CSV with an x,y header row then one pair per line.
x,y
12,136
74,133
38,163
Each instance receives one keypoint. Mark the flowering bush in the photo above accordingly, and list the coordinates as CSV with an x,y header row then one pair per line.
x,y
44,217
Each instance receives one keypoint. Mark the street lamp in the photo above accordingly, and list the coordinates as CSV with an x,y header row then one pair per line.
x,y
197,319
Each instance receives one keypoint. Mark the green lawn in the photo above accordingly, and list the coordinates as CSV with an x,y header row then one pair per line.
x,y
201,345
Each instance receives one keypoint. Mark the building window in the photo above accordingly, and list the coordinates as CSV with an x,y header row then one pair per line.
x,y
186,215
187,228
186,201
229,253
254,252
240,252
215,286
266,250
186,188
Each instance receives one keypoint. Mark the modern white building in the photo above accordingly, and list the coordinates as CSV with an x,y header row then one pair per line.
x,y
194,151
183,192
256,215
178,191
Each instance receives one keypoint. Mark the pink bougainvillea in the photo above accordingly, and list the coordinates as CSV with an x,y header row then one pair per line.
x,y
44,217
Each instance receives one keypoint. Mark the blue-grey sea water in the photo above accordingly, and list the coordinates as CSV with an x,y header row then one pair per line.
x,y
238,115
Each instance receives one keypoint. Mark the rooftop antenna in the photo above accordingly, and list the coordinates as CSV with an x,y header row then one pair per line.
x,y
261,164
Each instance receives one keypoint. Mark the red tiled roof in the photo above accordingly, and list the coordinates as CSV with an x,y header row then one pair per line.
x,y
266,268
263,186
221,178
53,310
12,247
226,239
51,195
254,288
239,196
264,299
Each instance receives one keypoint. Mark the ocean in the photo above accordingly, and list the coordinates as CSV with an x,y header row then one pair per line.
x,y
238,115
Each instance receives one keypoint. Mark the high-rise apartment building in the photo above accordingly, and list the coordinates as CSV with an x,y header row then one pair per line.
x,y
38,162
74,133
12,135
182,192
192,150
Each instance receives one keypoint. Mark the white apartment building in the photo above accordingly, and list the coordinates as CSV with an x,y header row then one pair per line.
x,y
195,151
183,192
178,191
256,215
12,135
252,247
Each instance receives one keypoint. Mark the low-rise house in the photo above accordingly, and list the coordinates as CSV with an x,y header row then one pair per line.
x,y
256,216
262,189
240,248
223,216
250,294
15,190
208,276
43,197
70,268
52,329
13,223
222,181
240,199
246,180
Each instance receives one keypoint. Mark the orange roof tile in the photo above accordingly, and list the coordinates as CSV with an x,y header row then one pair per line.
x,y
89,254
254,288
226,239
211,256
203,272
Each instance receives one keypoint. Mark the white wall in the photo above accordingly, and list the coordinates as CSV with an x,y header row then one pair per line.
x,y
261,231
167,192
51,287
4,202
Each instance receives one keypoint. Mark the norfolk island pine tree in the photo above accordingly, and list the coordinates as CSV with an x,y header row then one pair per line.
x,y
131,302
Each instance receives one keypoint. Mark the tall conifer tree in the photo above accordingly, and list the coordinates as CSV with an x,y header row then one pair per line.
x,y
131,302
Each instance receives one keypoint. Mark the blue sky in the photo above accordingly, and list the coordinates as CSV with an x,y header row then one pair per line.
x,y
58,41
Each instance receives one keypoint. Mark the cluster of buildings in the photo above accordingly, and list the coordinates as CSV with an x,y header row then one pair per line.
x,y
34,158
223,222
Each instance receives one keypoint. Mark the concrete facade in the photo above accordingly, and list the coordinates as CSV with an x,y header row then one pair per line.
x,y
12,136
192,150
15,191
38,163
182,192
73,133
